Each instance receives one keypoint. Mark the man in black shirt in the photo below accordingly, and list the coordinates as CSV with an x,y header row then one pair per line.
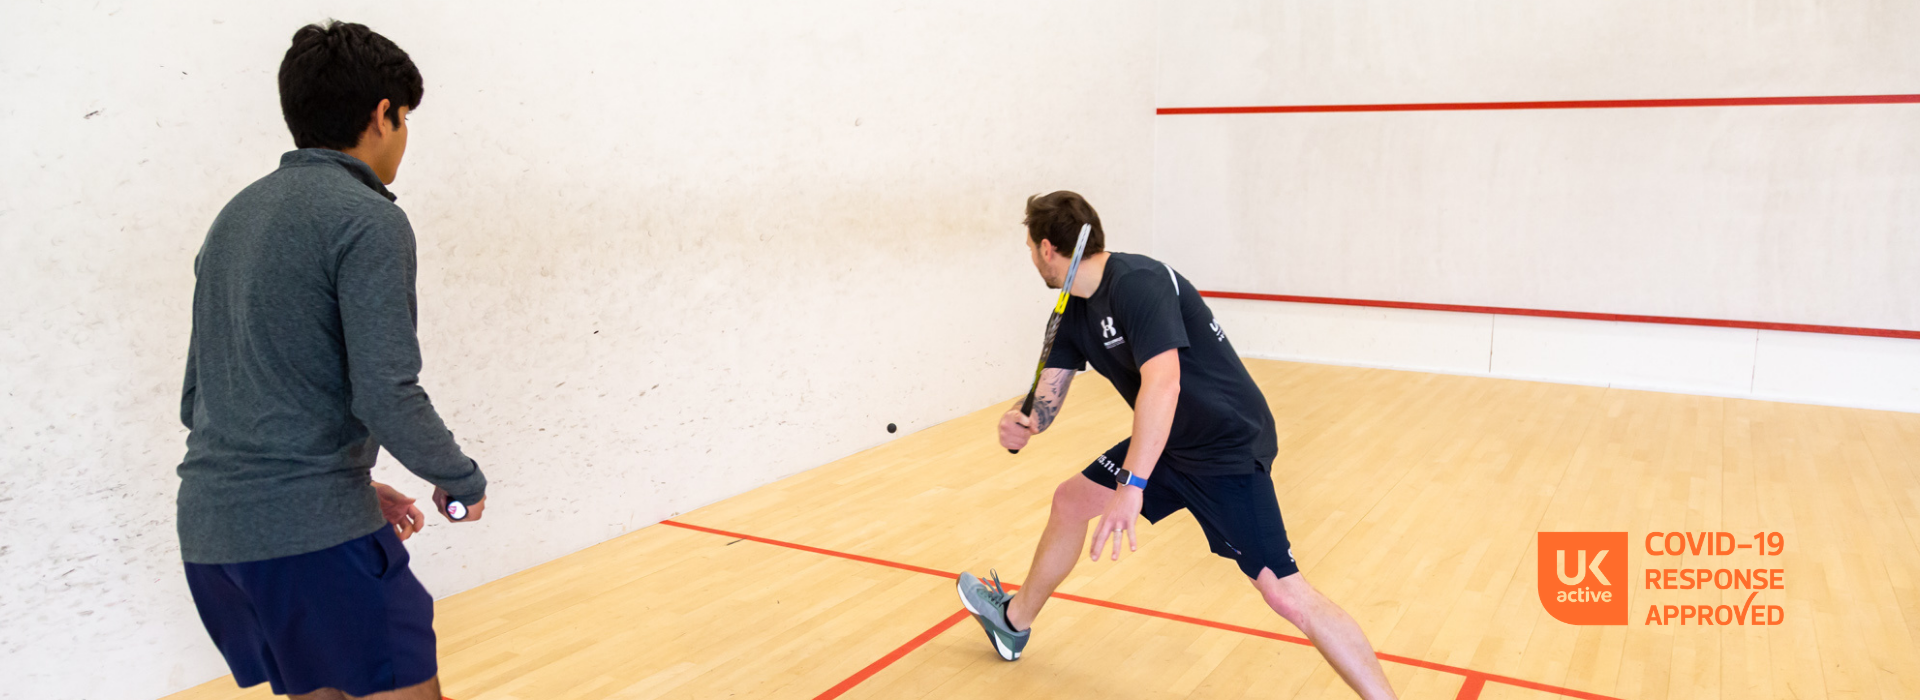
x,y
1203,439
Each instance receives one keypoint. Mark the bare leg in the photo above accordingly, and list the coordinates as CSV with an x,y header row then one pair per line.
x,y
1075,502
430,690
1332,631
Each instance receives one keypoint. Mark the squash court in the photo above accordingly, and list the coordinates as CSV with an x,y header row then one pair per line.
x,y
1414,498
678,341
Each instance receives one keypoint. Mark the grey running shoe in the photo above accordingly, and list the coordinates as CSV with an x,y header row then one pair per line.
x,y
988,603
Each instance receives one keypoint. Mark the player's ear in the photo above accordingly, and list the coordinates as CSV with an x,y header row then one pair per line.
x,y
383,118
377,125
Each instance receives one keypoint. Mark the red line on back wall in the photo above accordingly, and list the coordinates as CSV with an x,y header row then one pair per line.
x,y
1554,104
1581,315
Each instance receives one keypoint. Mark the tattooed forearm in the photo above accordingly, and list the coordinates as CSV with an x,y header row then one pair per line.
x,y
1051,397
1043,412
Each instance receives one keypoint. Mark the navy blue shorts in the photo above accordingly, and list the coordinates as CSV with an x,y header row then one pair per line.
x,y
350,617
1238,512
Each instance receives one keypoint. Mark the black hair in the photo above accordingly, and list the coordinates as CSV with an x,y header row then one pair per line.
x,y
332,78
1057,217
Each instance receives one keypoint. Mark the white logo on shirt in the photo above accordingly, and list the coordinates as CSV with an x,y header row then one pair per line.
x,y
1217,330
1106,328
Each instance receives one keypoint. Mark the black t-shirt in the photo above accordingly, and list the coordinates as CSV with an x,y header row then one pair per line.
x,y
1143,308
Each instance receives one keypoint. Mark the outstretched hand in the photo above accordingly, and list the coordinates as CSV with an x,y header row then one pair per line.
x,y
1122,512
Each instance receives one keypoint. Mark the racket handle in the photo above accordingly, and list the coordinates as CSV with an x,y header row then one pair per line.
x,y
1026,409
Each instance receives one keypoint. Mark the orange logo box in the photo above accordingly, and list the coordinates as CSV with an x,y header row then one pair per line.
x,y
1583,577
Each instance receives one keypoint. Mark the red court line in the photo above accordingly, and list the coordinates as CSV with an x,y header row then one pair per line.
x,y
815,550
1396,658
1470,674
895,655
1581,315
1470,690
1553,104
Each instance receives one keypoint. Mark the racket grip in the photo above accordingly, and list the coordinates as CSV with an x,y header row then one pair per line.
x,y
1026,407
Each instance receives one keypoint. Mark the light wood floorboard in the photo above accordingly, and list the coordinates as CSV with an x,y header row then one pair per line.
x,y
1412,499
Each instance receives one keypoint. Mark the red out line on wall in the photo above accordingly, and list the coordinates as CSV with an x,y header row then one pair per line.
x,y
1581,315
1554,104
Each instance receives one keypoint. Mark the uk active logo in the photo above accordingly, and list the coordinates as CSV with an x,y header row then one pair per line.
x,y
1583,577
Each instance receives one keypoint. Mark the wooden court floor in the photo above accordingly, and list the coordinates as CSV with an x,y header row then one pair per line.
x,y
1412,500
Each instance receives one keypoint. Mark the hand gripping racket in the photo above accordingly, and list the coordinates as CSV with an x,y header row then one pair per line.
x,y
1053,321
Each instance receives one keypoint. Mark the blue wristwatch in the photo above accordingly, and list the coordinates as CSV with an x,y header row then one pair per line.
x,y
1127,478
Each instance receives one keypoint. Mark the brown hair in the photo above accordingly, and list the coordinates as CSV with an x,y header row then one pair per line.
x,y
1057,218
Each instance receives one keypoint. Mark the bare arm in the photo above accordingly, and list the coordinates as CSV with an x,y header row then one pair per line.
x,y
1016,427
1153,411
1051,396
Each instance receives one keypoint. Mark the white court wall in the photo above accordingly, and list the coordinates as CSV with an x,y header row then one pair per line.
x,y
1782,214
668,252
1837,370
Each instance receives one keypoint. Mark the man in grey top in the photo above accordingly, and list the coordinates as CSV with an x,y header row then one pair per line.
x,y
303,363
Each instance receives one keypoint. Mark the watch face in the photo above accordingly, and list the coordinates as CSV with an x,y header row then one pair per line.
x,y
1123,478
456,510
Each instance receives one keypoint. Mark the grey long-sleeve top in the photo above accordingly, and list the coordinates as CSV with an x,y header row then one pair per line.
x,y
303,362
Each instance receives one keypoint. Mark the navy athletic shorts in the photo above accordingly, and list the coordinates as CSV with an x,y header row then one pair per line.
x,y
350,617
1238,512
